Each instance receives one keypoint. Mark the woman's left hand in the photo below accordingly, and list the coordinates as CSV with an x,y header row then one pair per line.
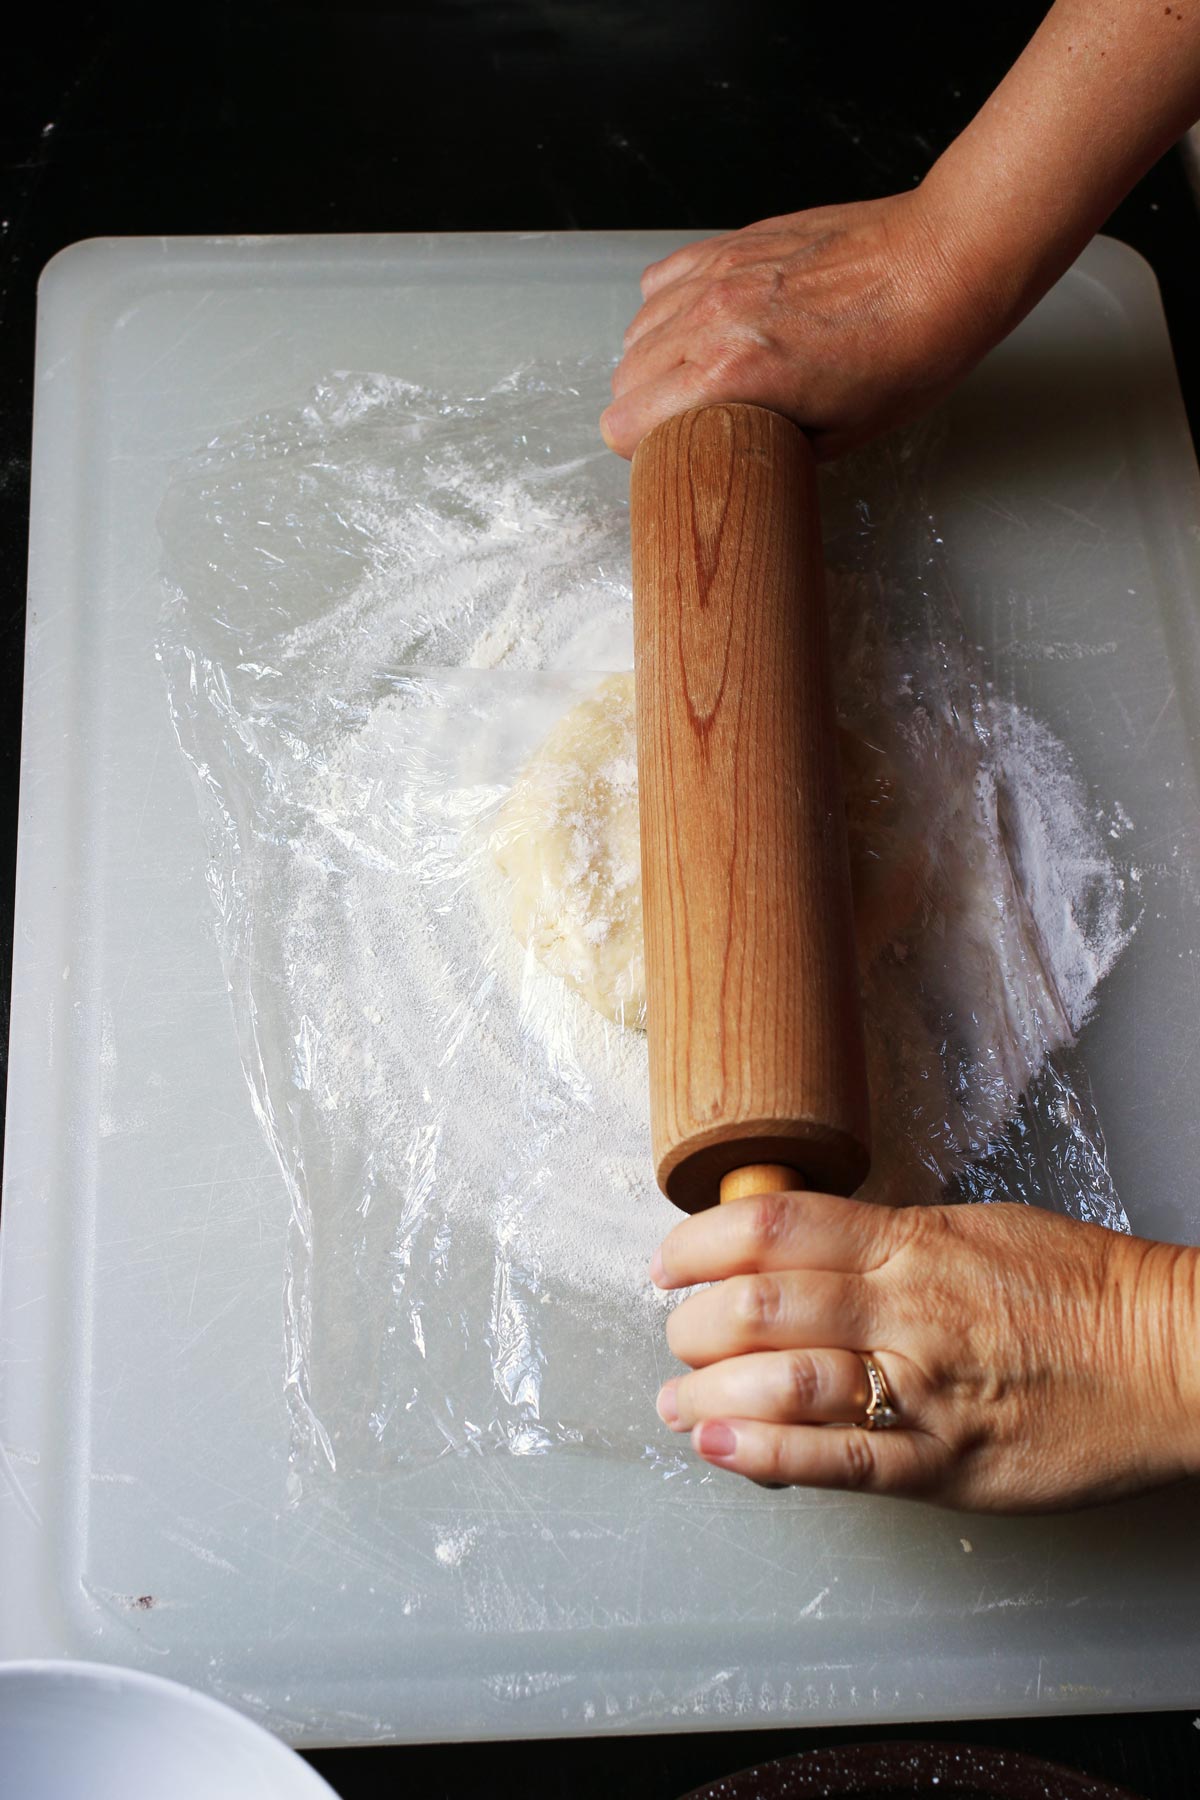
x,y
1034,1363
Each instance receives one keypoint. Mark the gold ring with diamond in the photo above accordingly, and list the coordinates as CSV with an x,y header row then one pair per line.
x,y
881,1413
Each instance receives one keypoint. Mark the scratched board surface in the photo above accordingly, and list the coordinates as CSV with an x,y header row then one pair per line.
x,y
148,1511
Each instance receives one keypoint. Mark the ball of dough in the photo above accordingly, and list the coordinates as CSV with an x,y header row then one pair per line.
x,y
567,839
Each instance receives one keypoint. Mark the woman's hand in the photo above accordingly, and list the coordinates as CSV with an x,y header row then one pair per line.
x,y
854,318
1034,1363
849,319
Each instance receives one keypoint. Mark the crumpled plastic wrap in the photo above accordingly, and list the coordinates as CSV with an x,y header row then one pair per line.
x,y
378,607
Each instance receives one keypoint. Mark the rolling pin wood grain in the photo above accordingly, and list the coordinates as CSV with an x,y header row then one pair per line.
x,y
757,1071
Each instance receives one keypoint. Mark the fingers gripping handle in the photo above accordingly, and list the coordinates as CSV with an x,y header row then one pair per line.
x,y
756,1050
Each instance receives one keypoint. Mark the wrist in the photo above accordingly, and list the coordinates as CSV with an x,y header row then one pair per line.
x,y
1163,1308
1183,1290
993,253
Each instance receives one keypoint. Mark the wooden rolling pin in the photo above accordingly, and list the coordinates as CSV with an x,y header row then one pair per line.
x,y
757,1073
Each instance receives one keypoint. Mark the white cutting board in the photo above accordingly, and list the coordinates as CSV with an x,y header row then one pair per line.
x,y
144,1511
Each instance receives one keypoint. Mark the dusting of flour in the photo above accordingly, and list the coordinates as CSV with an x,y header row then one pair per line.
x,y
382,604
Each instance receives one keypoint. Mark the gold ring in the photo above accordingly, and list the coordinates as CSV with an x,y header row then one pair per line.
x,y
881,1413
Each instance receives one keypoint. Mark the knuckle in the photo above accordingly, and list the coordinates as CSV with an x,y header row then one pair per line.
x,y
764,1222
859,1461
912,1230
716,301
804,1383
921,1224
774,1472
756,1303
727,260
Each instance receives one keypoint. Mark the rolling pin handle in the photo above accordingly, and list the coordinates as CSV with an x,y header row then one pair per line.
x,y
760,1178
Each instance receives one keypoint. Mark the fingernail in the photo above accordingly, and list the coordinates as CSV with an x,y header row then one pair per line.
x,y
668,1409
715,1439
657,1273
604,432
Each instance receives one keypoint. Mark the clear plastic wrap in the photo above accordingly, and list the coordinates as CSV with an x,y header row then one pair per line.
x,y
379,607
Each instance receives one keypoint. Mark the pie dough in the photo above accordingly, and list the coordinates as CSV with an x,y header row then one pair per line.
x,y
567,840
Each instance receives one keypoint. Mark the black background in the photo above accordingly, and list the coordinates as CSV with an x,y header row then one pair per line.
x,y
462,115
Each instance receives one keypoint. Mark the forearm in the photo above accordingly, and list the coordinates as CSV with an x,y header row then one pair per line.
x,y
1102,90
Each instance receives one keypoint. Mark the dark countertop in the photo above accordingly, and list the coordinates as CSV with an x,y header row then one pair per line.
x,y
469,115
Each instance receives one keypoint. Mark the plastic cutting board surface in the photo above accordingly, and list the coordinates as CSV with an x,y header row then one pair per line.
x,y
145,1510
